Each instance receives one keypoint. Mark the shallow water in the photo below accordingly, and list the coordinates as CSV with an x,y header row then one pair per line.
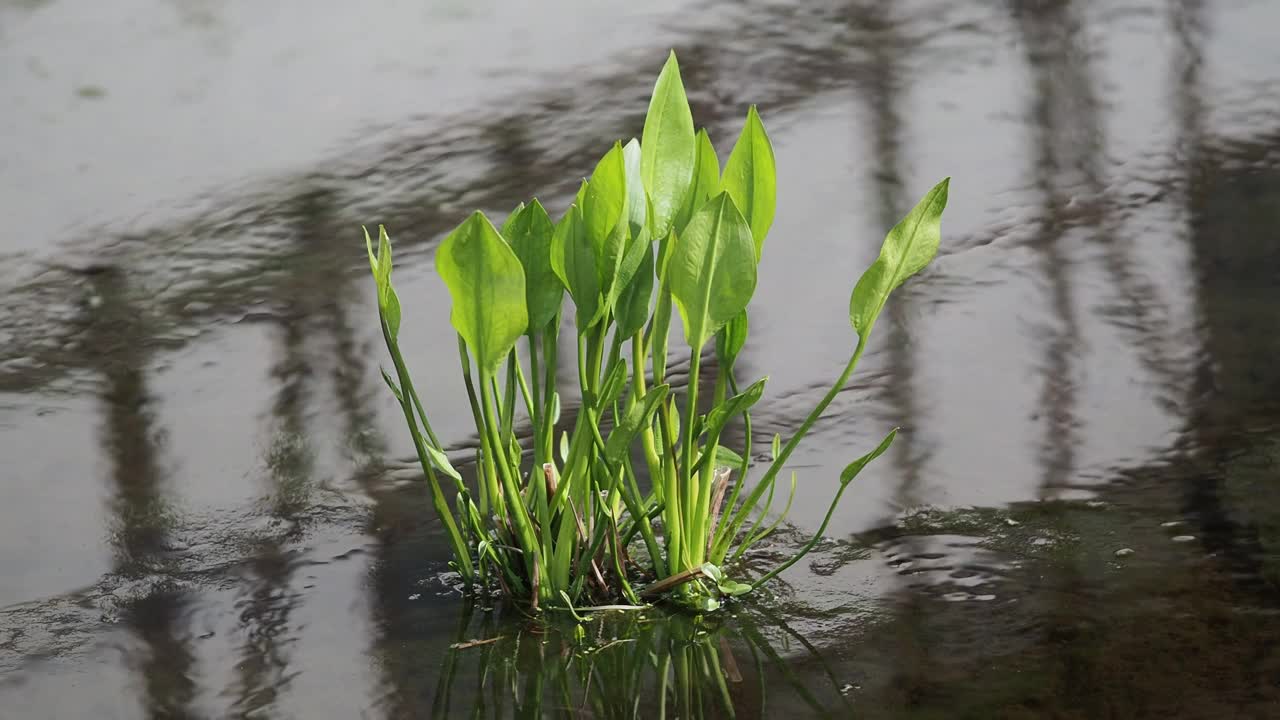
x,y
208,507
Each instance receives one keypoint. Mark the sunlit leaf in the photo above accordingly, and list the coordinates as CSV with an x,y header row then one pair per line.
x,y
506,224
706,180
486,284
603,209
668,149
750,178
712,270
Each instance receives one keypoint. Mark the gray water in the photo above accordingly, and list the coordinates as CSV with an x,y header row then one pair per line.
x,y
208,506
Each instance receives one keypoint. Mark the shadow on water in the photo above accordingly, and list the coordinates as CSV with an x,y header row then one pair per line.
x,y
1115,553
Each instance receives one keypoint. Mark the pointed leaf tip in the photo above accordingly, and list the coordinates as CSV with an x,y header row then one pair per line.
x,y
667,146
907,249
851,471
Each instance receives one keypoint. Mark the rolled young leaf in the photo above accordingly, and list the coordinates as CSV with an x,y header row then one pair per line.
x,y
667,148
907,249
486,284
637,198
380,263
712,270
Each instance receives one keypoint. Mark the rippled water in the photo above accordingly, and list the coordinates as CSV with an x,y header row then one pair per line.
x,y
207,504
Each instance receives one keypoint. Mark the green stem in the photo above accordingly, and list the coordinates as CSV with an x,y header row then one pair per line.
x,y
438,502
536,405
639,388
488,477
817,536
519,514
690,479
740,515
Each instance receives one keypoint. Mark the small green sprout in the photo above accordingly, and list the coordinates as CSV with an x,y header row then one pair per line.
x,y
657,227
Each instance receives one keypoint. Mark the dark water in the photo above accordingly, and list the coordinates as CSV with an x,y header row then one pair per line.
x,y
207,505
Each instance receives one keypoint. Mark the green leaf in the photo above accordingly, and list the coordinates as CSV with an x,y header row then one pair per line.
x,y
486,284
395,389
667,148
613,384
625,268
721,414
573,260
631,310
635,419
706,180
529,233
603,208
441,461
712,572
750,178
727,458
506,224
731,338
907,249
712,270
851,471
734,588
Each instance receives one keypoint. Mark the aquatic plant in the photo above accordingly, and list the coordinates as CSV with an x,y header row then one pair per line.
x,y
657,228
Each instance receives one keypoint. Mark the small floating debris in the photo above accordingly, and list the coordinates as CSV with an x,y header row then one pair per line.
x,y
475,643
1124,552
1184,538
1171,523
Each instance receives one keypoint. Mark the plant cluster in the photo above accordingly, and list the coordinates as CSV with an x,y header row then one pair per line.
x,y
636,498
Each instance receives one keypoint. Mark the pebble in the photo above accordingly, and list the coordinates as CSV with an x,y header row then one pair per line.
x,y
1124,552
1184,538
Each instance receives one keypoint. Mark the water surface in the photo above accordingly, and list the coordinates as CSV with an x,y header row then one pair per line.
x,y
209,508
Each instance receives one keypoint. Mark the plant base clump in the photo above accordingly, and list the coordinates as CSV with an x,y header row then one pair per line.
x,y
659,229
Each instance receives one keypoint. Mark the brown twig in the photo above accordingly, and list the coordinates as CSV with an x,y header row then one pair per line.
x,y
667,583
721,484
